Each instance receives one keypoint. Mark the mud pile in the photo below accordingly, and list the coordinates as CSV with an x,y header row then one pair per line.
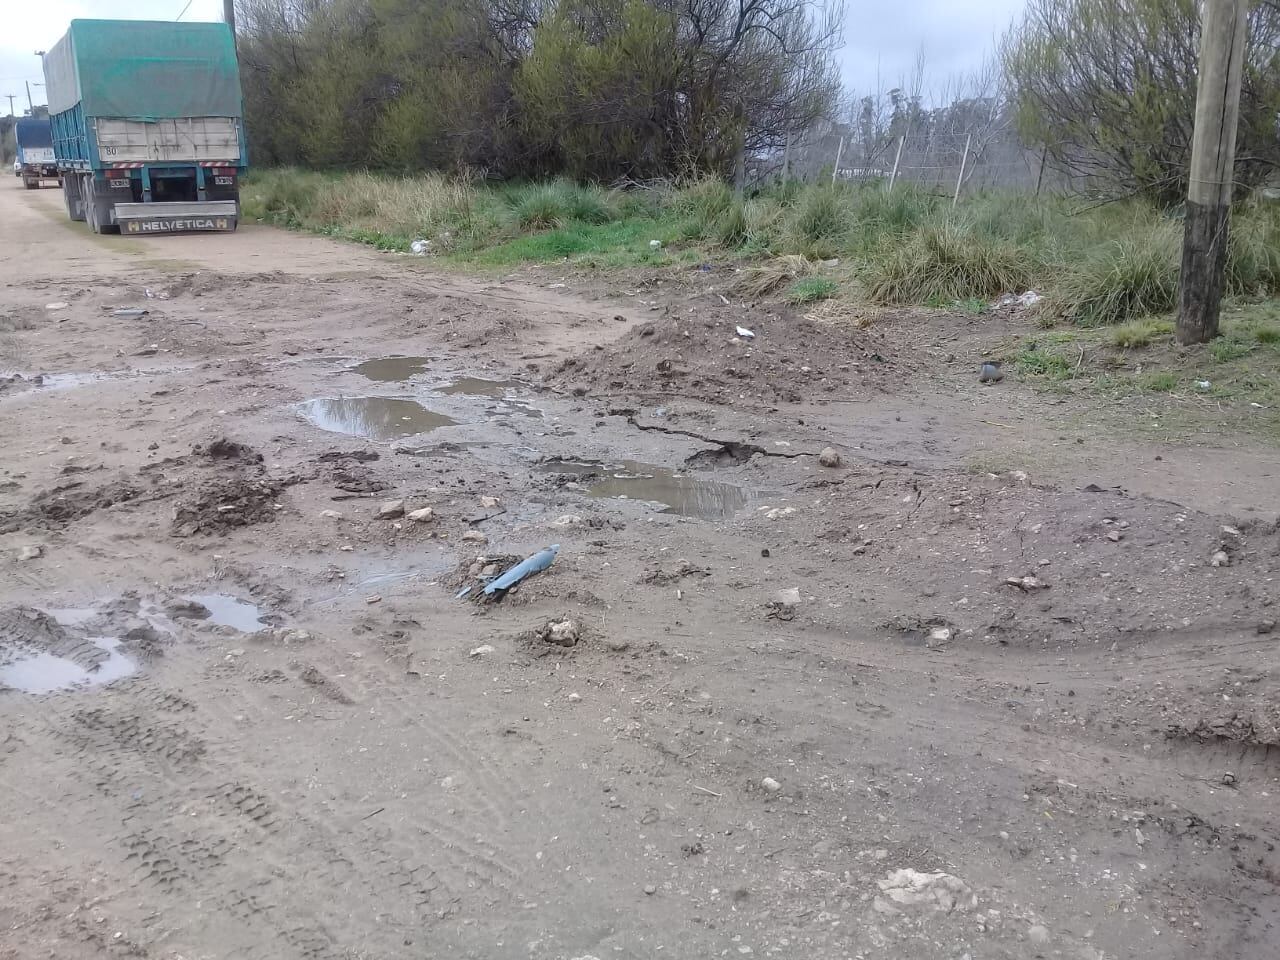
x,y
703,357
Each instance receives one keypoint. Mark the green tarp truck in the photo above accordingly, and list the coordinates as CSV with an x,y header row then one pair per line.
x,y
148,128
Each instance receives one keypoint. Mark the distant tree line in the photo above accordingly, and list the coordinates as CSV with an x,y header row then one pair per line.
x,y
596,89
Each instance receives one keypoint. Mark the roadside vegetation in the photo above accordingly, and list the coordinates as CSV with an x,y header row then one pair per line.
x,y
1107,265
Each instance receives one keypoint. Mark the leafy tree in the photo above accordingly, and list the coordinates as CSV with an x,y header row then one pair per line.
x,y
1108,87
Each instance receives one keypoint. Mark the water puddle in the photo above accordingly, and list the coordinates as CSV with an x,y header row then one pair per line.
x,y
374,418
392,369
503,391
47,673
228,611
682,495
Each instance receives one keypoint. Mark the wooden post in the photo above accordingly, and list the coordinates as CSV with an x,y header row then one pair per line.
x,y
897,158
835,171
960,178
1209,192
786,159
1040,176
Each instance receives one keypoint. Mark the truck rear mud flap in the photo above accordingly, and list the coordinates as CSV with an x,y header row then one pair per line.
x,y
209,216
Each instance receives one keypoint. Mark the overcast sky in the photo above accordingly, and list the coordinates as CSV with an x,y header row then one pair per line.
x,y
882,37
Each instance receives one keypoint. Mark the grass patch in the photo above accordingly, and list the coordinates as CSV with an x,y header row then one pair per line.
x,y
1159,381
1137,334
1226,349
811,290
1037,362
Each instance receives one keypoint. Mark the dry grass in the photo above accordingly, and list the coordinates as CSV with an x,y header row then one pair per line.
x,y
767,278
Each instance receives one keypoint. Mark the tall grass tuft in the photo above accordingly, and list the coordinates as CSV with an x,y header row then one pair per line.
x,y
1131,277
818,223
946,260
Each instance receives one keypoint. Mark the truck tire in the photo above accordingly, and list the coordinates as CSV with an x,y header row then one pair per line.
x,y
95,211
71,197
90,203
31,184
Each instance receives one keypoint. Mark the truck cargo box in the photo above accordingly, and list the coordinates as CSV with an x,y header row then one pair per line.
x,y
148,123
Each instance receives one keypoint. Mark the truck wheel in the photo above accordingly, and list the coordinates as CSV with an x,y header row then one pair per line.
x,y
71,196
90,204
30,184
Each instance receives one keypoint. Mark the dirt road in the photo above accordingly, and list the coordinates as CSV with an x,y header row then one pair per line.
x,y
993,686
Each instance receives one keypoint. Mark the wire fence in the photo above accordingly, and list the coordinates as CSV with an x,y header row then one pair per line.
x,y
952,163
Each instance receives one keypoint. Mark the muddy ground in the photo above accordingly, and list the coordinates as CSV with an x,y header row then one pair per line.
x,y
997,685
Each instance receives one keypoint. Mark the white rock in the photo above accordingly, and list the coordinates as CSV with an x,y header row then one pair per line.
x,y
939,635
421,515
481,650
563,633
331,514
913,889
771,785
567,520
58,305
488,502
32,551
1038,933
1221,559
475,536
829,457
744,333
391,509
778,512
574,698
788,598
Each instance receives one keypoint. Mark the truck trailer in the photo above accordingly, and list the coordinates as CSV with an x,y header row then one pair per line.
x,y
148,125
34,139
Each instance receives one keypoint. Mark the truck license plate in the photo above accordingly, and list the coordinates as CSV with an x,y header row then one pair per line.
x,y
180,225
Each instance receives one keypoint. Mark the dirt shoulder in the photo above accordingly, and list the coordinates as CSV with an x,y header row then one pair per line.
x,y
995,684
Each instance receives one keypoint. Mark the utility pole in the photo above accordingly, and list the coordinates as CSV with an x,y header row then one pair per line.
x,y
11,99
30,106
229,18
1213,147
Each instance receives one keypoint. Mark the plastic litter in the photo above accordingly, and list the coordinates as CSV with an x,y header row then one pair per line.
x,y
421,247
525,568
1023,300
655,244
130,313
744,333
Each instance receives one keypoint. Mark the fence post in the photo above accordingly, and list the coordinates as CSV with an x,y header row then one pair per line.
x,y
835,171
960,179
786,159
1040,176
897,158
